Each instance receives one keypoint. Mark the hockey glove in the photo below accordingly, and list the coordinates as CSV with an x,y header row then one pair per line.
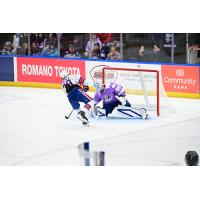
x,y
85,88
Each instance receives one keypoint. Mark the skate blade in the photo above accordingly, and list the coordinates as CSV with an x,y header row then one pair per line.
x,y
86,124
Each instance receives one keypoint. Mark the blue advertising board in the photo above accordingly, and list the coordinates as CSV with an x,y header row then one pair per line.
x,y
6,69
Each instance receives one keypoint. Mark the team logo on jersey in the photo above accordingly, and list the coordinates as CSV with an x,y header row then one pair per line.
x,y
106,98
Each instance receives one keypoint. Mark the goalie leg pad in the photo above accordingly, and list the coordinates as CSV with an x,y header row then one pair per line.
x,y
98,112
101,111
143,113
129,112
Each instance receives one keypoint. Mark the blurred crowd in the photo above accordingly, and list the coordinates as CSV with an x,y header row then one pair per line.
x,y
103,46
98,46
18,45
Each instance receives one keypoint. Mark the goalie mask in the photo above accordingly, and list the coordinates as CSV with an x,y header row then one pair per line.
x,y
64,74
99,87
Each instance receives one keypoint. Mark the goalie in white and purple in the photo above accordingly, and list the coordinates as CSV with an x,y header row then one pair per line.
x,y
114,101
112,96
74,87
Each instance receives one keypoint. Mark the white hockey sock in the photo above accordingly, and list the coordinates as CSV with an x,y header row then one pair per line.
x,y
77,110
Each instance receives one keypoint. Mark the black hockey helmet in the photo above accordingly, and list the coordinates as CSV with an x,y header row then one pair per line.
x,y
192,158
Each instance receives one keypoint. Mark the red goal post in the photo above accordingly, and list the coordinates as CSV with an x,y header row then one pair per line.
x,y
139,70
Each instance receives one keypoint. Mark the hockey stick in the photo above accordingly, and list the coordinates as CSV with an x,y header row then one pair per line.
x,y
67,117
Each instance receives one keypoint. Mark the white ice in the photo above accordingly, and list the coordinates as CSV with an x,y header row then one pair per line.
x,y
33,131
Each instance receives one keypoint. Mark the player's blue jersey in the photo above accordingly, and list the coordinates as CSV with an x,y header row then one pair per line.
x,y
71,86
72,82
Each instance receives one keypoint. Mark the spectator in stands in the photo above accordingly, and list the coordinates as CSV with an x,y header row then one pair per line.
x,y
156,53
96,51
103,52
23,38
116,44
49,51
105,37
64,45
41,41
15,44
149,53
72,52
78,43
141,51
7,48
194,48
23,50
33,37
91,44
34,48
113,54
19,40
51,39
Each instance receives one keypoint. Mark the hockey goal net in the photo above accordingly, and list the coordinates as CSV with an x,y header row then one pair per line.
x,y
143,86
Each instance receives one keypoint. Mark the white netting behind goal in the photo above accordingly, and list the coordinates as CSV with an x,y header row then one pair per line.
x,y
143,86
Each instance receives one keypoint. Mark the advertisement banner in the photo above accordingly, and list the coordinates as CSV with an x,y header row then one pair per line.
x,y
181,78
46,70
6,69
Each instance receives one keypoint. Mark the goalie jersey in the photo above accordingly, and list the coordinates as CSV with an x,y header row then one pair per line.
x,y
108,95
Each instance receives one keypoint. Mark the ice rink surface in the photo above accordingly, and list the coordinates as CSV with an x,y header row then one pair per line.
x,y
33,131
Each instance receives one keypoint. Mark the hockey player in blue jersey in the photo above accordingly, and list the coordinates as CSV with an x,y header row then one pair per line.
x,y
74,86
115,103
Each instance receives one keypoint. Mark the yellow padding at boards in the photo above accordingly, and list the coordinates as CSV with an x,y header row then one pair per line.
x,y
30,84
129,91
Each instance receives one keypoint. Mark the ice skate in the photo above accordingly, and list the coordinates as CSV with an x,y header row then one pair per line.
x,y
81,116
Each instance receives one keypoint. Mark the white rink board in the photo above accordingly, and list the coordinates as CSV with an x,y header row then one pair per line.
x,y
129,79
